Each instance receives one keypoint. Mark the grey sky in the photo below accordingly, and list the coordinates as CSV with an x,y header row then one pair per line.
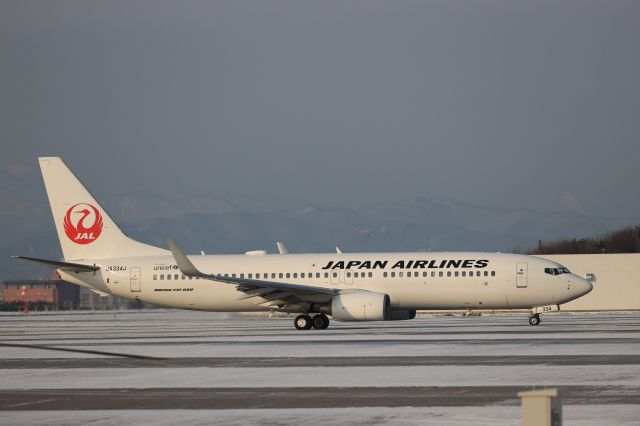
x,y
510,103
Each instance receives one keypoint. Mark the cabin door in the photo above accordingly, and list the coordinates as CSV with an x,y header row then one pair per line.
x,y
134,276
521,274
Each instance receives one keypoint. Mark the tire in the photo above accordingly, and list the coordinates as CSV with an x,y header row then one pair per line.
x,y
534,320
320,322
326,322
302,322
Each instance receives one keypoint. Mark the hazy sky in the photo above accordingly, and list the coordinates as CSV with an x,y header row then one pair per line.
x,y
512,103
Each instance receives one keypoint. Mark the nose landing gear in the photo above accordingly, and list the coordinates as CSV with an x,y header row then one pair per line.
x,y
534,319
306,322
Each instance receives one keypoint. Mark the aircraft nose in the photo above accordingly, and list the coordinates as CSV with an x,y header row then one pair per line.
x,y
581,286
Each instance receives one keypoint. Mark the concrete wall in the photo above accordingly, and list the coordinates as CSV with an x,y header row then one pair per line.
x,y
616,285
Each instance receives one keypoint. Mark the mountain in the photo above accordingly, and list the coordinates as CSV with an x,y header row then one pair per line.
x,y
222,227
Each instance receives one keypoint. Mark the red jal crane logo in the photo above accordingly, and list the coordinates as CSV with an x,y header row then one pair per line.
x,y
75,227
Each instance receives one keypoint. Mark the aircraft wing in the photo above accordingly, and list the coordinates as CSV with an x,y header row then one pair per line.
x,y
274,293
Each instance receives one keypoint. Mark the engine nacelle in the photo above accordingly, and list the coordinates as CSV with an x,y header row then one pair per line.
x,y
402,314
361,306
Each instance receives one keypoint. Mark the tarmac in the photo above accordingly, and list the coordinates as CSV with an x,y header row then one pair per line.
x,y
111,367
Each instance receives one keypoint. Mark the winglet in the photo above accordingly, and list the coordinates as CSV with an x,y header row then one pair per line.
x,y
282,248
184,264
338,250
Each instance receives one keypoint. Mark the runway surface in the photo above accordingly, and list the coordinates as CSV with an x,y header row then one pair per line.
x,y
160,367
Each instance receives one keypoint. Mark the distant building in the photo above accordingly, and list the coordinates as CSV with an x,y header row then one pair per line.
x,y
615,279
40,294
93,301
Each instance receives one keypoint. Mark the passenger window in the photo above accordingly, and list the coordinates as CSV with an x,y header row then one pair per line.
x,y
370,274
175,277
155,277
393,274
241,275
273,275
486,273
464,273
441,273
456,273
295,275
257,276
318,275
280,275
249,275
400,274
493,273
384,274
335,275
448,273
326,275
302,275
162,277
288,275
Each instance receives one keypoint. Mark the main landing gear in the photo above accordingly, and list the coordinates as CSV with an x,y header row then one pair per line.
x,y
305,322
534,319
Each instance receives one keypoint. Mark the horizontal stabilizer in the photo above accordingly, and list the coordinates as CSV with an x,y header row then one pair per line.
x,y
67,266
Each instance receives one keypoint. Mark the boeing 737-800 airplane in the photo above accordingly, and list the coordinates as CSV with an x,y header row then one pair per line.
x,y
346,286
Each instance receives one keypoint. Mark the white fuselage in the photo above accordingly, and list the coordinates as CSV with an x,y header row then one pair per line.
x,y
432,281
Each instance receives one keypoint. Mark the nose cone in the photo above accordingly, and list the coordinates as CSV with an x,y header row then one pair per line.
x,y
580,286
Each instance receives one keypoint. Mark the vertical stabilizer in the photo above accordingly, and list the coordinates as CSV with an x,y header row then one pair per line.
x,y
85,229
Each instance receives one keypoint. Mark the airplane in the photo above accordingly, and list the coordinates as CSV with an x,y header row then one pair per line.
x,y
316,286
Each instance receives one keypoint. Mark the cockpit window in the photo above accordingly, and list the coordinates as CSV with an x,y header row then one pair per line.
x,y
556,271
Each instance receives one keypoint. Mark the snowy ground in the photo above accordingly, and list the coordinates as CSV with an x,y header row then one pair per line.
x,y
468,369
573,415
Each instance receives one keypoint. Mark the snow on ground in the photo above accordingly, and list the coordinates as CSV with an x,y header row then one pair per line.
x,y
573,415
178,334
403,376
202,334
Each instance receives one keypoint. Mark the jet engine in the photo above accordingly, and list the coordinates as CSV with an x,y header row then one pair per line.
x,y
361,306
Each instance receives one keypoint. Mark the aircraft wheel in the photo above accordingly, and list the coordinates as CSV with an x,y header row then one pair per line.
x,y
320,322
534,319
303,322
